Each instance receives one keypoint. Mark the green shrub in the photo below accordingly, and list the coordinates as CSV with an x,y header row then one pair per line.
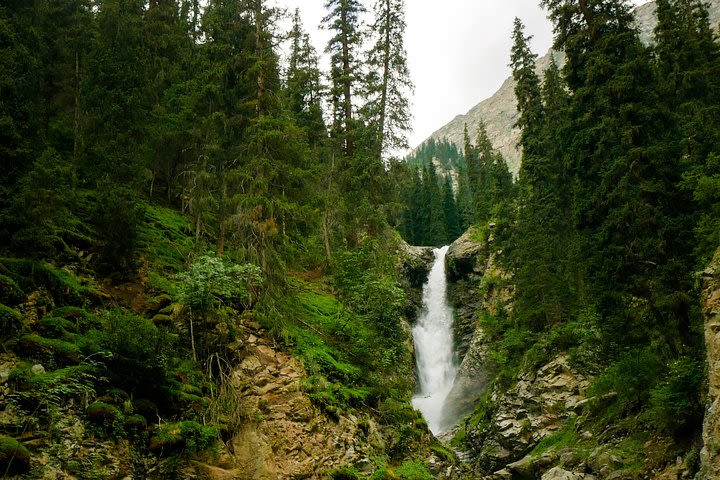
x,y
413,470
14,457
140,351
10,292
675,405
628,381
10,321
212,281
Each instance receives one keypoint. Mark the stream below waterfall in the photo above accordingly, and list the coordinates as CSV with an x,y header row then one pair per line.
x,y
434,347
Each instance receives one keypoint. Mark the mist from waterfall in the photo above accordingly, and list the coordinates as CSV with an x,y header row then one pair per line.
x,y
434,350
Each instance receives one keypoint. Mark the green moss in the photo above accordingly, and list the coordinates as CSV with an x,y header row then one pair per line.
x,y
108,418
443,453
136,424
50,350
146,408
345,473
10,321
187,437
565,437
14,457
165,238
64,286
413,470
10,292
56,327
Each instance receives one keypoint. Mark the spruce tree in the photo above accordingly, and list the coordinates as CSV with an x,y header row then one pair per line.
x,y
625,202
388,82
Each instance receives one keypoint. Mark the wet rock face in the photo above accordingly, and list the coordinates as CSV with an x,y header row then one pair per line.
x,y
467,255
415,263
710,454
537,406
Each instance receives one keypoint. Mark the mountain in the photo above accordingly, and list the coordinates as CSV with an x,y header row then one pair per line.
x,y
499,112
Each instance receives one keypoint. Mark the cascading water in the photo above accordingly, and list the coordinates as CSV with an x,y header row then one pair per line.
x,y
434,354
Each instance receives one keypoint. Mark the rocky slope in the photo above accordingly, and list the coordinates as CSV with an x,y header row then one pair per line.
x,y
537,423
710,454
499,112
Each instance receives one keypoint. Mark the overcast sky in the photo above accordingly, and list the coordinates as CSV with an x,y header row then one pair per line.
x,y
458,51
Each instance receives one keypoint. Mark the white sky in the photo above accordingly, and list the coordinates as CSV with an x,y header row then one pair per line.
x,y
458,50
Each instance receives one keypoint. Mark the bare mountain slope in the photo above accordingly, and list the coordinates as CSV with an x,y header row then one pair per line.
x,y
500,111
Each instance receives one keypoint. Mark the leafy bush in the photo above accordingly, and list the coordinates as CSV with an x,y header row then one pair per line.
x,y
211,281
14,457
140,351
675,405
629,381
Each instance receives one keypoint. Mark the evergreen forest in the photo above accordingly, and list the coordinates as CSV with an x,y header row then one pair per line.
x,y
192,206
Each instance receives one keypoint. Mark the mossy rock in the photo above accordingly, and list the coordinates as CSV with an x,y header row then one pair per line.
x,y
136,424
101,413
14,457
169,310
56,327
115,396
188,437
146,409
10,291
49,349
10,321
160,319
345,473
158,302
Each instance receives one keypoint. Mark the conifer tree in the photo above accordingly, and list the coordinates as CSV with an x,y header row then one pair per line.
x,y
688,62
625,203
304,88
450,212
343,20
388,82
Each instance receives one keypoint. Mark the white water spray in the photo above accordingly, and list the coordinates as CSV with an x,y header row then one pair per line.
x,y
433,338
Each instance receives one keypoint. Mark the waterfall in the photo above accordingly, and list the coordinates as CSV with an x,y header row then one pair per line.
x,y
434,355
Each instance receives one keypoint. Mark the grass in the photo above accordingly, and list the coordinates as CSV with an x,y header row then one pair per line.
x,y
165,239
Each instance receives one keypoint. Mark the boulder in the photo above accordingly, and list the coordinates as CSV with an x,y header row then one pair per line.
x,y
558,473
468,254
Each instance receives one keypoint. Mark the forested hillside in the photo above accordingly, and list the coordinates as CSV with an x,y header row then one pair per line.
x,y
204,259
178,209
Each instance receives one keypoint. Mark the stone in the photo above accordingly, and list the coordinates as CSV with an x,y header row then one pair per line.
x,y
37,369
558,473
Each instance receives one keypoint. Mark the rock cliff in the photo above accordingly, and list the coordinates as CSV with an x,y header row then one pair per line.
x,y
710,454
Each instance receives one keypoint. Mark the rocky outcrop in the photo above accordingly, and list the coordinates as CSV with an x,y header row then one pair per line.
x,y
538,405
710,454
290,438
468,255
499,112
415,263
